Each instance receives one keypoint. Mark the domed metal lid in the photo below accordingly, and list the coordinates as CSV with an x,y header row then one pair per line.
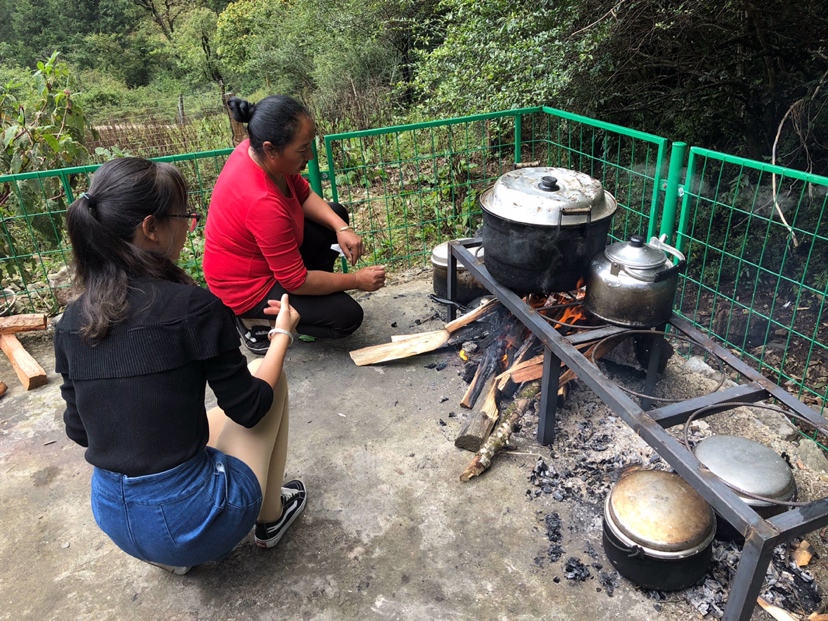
x,y
439,256
749,466
660,512
548,197
636,254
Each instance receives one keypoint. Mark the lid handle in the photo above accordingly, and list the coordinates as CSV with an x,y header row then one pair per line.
x,y
549,184
636,241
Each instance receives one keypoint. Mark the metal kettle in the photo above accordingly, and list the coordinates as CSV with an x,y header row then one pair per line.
x,y
633,283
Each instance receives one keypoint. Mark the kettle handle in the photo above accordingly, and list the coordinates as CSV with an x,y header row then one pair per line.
x,y
675,269
655,242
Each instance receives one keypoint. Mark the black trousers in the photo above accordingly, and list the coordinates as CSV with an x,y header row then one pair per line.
x,y
325,316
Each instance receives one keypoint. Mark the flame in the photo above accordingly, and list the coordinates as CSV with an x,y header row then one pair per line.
x,y
572,315
464,356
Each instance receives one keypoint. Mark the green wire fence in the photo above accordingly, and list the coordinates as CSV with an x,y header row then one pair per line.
x,y
754,280
412,187
756,242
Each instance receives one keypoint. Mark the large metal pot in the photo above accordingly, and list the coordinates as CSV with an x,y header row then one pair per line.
x,y
541,226
633,283
658,531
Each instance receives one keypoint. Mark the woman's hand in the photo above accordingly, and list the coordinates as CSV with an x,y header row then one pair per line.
x,y
287,318
351,245
370,278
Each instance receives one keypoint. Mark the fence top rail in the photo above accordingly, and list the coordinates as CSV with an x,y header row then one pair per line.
x,y
620,129
761,166
90,168
395,129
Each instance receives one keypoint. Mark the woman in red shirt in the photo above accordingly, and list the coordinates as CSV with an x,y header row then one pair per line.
x,y
268,233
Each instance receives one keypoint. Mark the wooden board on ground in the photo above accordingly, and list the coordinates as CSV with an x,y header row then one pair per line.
x,y
30,373
412,345
22,323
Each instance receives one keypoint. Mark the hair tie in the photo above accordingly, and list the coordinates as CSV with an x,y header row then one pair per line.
x,y
90,201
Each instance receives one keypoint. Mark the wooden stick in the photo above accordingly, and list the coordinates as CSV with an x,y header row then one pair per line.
x,y
500,436
22,323
30,373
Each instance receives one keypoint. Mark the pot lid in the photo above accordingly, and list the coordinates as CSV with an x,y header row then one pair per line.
x,y
439,256
660,511
548,197
748,465
635,254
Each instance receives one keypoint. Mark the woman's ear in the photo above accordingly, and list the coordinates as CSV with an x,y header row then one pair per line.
x,y
149,228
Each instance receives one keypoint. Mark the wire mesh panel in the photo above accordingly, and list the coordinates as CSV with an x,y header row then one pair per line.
x,y
412,187
756,242
34,247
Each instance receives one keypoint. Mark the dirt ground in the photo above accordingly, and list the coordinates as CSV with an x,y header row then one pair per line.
x,y
390,532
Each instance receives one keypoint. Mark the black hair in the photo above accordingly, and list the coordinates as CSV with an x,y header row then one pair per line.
x,y
274,119
102,223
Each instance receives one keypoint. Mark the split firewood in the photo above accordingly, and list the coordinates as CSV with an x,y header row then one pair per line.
x,y
775,611
816,616
803,553
478,427
419,344
30,373
500,436
486,369
22,323
3,389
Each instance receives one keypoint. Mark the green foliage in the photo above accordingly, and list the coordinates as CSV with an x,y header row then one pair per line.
x,y
498,55
47,134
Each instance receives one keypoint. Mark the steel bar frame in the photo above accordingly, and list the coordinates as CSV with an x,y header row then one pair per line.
x,y
761,536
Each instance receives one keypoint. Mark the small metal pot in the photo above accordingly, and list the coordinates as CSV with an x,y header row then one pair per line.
x,y
468,288
658,531
541,226
633,283
750,467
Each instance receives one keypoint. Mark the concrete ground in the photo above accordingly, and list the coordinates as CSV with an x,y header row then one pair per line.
x,y
389,532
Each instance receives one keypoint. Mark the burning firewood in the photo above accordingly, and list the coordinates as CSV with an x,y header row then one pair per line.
x,y
500,436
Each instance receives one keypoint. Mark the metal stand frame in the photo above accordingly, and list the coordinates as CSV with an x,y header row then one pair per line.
x,y
761,536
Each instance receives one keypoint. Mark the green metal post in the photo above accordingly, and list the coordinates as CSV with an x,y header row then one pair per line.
x,y
685,203
331,173
668,215
313,171
518,139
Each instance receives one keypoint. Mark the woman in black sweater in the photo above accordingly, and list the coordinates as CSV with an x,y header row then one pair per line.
x,y
173,485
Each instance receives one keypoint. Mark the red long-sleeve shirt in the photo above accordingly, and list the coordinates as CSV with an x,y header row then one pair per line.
x,y
253,233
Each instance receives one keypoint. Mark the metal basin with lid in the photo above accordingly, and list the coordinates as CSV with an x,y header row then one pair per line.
x,y
658,531
751,467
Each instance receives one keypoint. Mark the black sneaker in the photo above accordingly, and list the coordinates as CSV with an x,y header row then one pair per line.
x,y
254,338
294,499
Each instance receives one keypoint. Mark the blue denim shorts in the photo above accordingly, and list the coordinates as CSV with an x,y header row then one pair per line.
x,y
191,514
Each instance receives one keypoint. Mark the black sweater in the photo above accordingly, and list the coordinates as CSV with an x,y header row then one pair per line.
x,y
136,398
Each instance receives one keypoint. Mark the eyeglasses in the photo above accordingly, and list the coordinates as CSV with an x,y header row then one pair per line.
x,y
195,218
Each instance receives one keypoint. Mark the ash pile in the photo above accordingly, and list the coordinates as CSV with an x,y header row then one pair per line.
x,y
592,451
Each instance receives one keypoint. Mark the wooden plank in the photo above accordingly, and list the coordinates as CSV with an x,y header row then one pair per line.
x,y
30,373
22,323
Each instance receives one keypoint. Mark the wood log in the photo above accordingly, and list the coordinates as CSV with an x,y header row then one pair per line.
x,y
478,427
3,389
419,344
485,370
500,436
22,323
30,373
